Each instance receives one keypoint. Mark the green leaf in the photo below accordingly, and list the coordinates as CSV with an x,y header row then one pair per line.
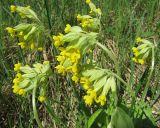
x,y
93,117
120,119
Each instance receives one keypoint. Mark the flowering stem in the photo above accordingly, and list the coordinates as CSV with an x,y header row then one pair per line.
x,y
150,75
34,107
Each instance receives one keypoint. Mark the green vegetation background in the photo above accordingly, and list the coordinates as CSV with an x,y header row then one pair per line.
x,y
122,21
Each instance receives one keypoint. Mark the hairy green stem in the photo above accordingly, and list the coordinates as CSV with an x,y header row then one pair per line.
x,y
34,107
150,75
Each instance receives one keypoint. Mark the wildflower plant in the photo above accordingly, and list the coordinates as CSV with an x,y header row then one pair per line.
x,y
75,46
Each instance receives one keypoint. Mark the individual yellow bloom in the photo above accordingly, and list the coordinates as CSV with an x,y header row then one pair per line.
x,y
61,69
19,76
15,89
21,92
85,83
16,81
141,61
139,40
88,100
41,98
88,1
45,62
135,60
134,49
11,31
17,66
58,40
74,69
20,34
60,59
32,46
68,28
79,17
40,49
102,100
13,8
75,78
22,45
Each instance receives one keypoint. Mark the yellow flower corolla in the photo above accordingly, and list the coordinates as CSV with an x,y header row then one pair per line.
x,y
21,92
139,39
89,98
85,83
41,98
79,17
75,78
68,28
58,40
22,45
32,46
40,49
141,61
13,8
11,31
17,66
61,69
102,100
88,1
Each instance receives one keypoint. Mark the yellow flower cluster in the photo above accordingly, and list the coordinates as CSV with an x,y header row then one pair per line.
x,y
68,62
17,89
22,42
27,78
91,93
142,51
136,54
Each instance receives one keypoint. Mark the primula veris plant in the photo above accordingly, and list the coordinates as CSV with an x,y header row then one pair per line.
x,y
75,60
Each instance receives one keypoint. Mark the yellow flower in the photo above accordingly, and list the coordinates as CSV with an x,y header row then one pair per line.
x,y
85,83
88,1
135,60
58,40
88,100
40,49
79,17
141,61
15,89
74,69
17,66
21,92
11,31
75,78
60,59
138,39
45,62
22,45
61,69
13,8
32,46
68,28
101,100
41,98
